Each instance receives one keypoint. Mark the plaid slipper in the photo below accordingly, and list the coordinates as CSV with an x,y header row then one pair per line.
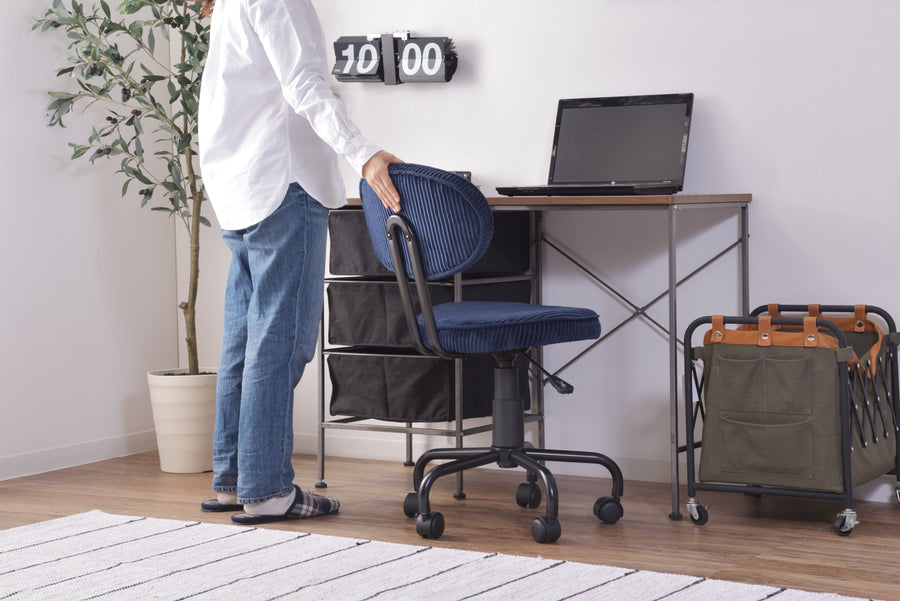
x,y
306,505
214,506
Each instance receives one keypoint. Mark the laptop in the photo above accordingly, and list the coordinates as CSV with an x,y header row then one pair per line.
x,y
618,145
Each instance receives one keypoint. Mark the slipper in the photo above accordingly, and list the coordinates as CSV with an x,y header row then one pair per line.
x,y
214,506
306,505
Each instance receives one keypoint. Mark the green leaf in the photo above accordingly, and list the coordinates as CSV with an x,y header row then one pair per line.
x,y
136,174
60,106
129,7
183,143
175,171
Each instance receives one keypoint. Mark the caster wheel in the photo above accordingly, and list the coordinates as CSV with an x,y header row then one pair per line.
x,y
608,510
430,525
840,526
702,515
528,495
411,505
545,530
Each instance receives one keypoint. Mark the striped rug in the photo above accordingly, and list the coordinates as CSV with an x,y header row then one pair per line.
x,y
101,556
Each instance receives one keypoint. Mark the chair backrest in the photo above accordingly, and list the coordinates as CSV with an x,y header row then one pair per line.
x,y
451,219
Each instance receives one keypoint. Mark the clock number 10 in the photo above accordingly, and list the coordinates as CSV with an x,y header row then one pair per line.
x,y
366,63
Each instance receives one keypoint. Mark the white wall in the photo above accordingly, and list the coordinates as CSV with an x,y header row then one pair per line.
x,y
88,294
794,103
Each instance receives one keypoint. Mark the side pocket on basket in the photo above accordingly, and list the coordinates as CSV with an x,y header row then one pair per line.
x,y
759,407
763,384
780,449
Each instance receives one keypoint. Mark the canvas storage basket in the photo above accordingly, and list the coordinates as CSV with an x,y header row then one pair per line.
x,y
772,404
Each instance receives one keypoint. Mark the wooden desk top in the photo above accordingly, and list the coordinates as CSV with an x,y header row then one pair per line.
x,y
550,202
585,202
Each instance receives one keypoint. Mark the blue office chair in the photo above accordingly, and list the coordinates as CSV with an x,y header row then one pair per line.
x,y
444,227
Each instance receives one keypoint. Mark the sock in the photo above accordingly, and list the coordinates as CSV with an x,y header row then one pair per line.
x,y
273,506
227,498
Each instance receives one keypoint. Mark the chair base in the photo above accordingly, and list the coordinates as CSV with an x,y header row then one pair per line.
x,y
545,528
509,450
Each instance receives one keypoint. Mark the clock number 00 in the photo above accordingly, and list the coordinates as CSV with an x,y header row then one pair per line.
x,y
367,61
414,58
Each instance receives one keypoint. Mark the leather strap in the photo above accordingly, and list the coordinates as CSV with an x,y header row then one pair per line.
x,y
810,332
859,314
717,333
765,331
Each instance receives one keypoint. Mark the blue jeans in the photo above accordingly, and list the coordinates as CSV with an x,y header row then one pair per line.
x,y
273,302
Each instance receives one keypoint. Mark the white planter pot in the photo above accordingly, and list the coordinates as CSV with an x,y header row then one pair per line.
x,y
184,409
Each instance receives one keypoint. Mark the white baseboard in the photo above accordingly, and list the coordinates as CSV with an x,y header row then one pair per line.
x,y
357,444
26,464
368,445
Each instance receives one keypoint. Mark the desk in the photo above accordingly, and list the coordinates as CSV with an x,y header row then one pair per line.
x,y
672,205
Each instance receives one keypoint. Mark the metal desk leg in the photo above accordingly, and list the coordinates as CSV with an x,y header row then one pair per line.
x,y
673,364
320,447
745,262
673,348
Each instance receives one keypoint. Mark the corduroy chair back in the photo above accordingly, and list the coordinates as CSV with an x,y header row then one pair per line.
x,y
454,227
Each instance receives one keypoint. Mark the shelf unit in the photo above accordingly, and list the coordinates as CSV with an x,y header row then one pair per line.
x,y
364,339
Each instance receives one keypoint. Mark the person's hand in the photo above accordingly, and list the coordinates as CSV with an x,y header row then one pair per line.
x,y
375,171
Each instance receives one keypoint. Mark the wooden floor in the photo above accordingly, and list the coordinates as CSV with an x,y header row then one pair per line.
x,y
776,541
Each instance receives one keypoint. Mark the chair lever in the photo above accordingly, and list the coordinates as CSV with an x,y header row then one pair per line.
x,y
560,385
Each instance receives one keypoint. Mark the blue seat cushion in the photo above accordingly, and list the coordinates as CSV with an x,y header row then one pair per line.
x,y
481,327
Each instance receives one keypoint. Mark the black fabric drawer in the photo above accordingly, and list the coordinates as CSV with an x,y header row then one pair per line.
x,y
351,248
412,387
370,313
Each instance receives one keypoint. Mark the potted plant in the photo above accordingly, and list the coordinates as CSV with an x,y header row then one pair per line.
x,y
147,125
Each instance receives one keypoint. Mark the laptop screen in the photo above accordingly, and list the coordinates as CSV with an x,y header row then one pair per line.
x,y
621,140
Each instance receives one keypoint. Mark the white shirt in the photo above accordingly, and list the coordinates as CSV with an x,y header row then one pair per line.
x,y
267,114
